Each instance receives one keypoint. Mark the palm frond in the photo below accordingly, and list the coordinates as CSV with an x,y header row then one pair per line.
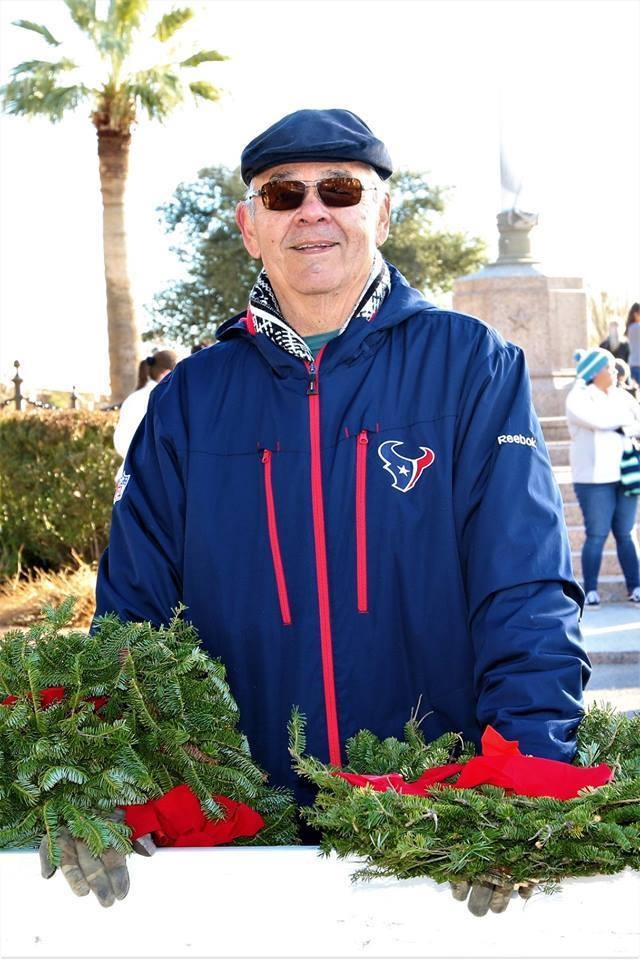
x,y
42,68
125,16
203,56
156,90
35,89
41,97
114,36
83,14
38,28
206,91
171,22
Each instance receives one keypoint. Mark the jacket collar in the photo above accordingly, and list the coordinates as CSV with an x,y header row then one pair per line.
x,y
361,335
264,314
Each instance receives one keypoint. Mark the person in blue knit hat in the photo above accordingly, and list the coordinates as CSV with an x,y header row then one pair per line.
x,y
601,418
350,491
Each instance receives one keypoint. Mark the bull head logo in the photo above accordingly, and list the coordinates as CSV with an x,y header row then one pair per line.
x,y
405,470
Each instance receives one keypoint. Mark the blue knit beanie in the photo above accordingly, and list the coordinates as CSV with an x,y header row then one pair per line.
x,y
591,362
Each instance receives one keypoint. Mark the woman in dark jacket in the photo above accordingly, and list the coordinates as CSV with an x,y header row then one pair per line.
x,y
615,344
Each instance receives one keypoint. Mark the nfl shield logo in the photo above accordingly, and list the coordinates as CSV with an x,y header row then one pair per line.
x,y
121,486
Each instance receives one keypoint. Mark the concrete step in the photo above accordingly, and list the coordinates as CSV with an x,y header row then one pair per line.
x,y
611,585
611,589
576,537
573,514
564,480
554,428
608,567
559,452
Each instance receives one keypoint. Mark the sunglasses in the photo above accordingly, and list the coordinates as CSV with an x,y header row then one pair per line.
x,y
332,191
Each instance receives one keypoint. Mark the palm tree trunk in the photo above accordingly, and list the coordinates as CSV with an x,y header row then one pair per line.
x,y
124,339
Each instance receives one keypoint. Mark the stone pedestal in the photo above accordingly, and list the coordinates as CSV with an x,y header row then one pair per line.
x,y
546,316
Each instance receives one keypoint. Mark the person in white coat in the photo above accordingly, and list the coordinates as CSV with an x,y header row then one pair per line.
x,y
601,418
150,372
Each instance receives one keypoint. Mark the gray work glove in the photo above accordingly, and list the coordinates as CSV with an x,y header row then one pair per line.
x,y
107,875
486,896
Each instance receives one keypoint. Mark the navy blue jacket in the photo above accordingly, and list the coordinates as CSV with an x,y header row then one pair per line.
x,y
360,536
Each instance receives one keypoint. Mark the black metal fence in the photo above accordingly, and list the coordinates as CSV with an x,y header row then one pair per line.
x,y
21,402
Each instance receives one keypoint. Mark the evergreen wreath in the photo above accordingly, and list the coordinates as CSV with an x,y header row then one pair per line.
x,y
483,833
135,711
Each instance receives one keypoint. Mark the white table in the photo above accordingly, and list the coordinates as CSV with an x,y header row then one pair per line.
x,y
286,902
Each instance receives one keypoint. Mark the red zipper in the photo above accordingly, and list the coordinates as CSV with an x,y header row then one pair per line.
x,y
322,577
361,521
281,583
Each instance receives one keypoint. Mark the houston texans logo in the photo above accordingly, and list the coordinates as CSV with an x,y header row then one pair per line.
x,y
405,470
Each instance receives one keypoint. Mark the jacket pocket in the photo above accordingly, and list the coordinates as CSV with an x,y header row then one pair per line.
x,y
276,556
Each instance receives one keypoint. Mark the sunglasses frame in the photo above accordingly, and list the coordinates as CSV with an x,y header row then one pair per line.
x,y
262,192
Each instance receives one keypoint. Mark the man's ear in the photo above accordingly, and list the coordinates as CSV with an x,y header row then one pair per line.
x,y
384,220
246,226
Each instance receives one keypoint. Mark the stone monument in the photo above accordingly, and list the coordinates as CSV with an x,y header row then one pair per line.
x,y
545,315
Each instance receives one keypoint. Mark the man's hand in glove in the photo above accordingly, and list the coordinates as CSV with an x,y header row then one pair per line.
x,y
486,896
106,875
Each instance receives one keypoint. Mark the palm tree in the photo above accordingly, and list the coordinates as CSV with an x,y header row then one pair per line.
x,y
52,88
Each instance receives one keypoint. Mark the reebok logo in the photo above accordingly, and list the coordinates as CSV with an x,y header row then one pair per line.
x,y
517,438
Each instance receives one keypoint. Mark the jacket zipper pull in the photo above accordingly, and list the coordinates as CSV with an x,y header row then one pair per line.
x,y
312,387
266,456
362,437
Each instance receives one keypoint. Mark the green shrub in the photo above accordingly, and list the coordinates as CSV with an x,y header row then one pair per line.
x,y
56,487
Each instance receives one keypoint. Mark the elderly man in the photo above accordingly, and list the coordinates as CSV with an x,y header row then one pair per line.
x,y
351,492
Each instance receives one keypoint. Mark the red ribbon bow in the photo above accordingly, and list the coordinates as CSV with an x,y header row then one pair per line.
x,y
54,695
176,820
501,765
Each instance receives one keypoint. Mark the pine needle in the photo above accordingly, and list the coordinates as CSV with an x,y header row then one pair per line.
x,y
482,833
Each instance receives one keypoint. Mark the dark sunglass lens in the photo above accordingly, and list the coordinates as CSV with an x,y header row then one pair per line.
x,y
283,194
340,191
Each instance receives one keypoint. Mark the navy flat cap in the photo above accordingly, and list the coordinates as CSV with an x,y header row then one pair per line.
x,y
315,135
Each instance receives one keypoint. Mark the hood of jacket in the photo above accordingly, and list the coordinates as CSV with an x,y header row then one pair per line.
x,y
360,338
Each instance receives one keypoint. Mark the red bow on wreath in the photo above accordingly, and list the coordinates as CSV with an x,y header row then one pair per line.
x,y
54,695
176,820
501,765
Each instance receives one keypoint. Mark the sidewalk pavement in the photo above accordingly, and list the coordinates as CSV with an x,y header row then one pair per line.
x,y
611,628
611,636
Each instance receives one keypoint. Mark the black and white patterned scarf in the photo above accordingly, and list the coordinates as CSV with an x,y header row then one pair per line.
x,y
267,316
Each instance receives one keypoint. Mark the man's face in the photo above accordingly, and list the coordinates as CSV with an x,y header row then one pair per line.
x,y
316,249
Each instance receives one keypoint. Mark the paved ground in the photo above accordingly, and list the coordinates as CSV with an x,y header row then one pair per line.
x,y
612,638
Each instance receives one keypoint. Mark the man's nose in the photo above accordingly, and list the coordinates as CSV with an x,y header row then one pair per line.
x,y
312,207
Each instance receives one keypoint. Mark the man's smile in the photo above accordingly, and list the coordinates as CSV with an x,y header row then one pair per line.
x,y
314,246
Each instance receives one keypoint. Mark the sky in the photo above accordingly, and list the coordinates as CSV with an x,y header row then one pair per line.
x,y
440,82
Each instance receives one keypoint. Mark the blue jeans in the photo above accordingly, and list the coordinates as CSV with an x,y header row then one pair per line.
x,y
635,373
605,508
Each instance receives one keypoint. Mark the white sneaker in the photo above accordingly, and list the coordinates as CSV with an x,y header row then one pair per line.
x,y
634,596
593,600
